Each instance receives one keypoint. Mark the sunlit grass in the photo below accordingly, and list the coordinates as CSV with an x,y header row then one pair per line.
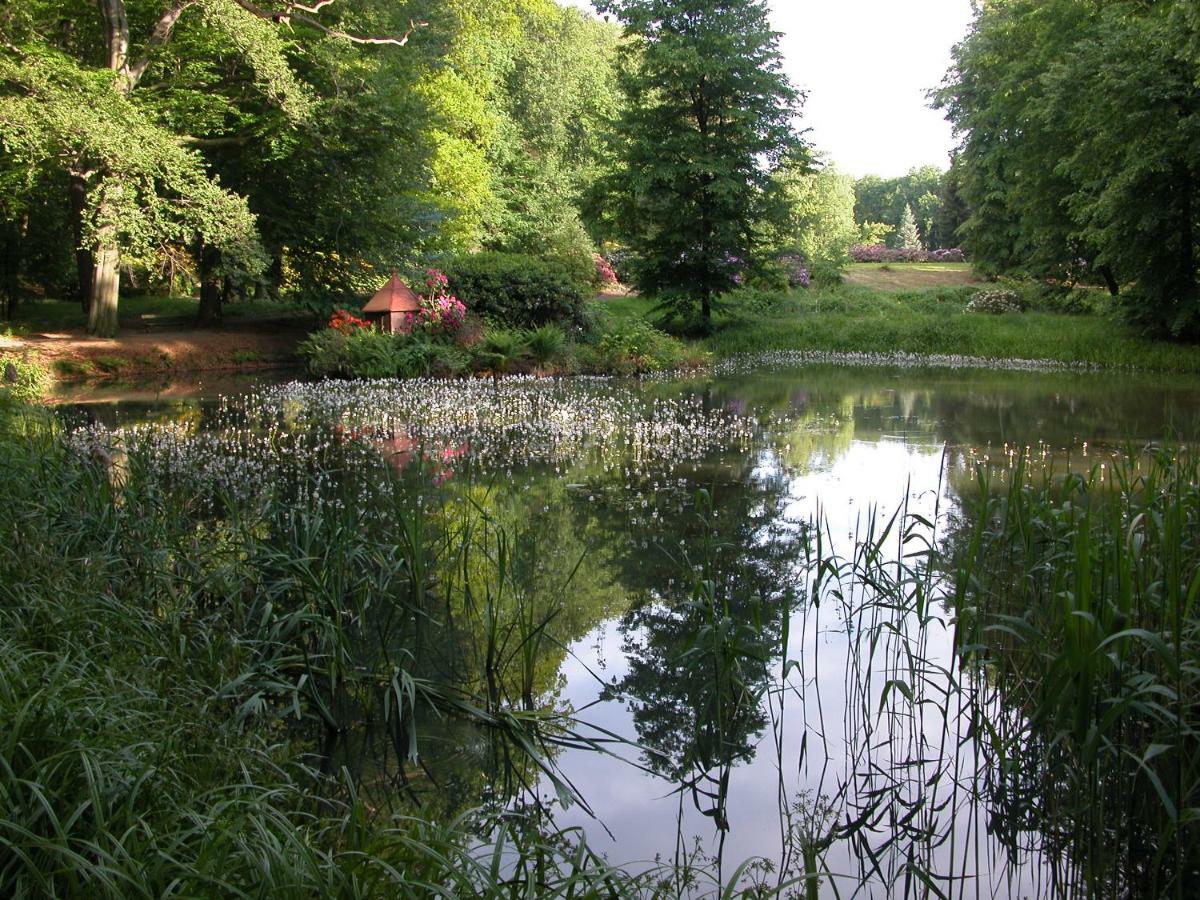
x,y
853,319
909,276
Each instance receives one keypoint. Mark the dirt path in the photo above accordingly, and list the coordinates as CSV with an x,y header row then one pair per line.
x,y
236,346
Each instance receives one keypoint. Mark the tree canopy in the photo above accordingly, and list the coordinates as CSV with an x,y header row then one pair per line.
x,y
279,146
1080,127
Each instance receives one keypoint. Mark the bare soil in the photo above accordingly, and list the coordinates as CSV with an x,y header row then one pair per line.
x,y
236,346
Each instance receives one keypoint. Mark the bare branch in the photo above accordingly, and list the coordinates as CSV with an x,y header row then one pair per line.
x,y
212,143
158,36
285,18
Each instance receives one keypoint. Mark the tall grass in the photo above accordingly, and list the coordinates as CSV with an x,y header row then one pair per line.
x,y
855,319
1078,602
166,671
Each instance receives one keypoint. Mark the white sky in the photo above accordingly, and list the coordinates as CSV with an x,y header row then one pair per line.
x,y
866,65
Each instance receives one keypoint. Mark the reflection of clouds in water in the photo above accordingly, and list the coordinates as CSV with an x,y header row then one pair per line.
x,y
827,752
619,465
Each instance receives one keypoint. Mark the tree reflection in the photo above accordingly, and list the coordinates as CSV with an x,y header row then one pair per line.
x,y
701,641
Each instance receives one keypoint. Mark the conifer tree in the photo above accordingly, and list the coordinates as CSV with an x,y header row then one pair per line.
x,y
709,116
907,237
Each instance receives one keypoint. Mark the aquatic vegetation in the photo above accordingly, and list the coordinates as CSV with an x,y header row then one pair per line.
x,y
793,359
1078,604
437,626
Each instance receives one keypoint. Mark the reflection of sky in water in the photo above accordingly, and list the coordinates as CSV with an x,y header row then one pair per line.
x,y
849,444
638,813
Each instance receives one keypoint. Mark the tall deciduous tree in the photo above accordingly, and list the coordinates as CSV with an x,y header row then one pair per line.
x,y
709,115
71,82
821,226
1079,127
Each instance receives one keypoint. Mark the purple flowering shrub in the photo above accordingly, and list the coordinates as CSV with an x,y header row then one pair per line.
x,y
798,274
878,253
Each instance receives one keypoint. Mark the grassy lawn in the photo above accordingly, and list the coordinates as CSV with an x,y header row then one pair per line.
x,y
909,276
852,318
61,315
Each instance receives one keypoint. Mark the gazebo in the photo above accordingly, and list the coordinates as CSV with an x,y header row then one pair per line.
x,y
392,305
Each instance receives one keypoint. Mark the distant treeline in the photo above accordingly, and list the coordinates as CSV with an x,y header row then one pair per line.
x,y
929,192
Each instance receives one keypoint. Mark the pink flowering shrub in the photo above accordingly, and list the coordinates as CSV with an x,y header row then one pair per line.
x,y
605,274
440,312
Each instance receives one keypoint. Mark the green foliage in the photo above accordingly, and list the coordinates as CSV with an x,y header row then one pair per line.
x,y
545,344
22,379
515,290
907,236
633,345
849,318
709,114
931,194
166,673
821,227
500,349
1078,599
367,353
252,152
1096,108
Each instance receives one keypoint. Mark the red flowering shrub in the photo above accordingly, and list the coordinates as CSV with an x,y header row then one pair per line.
x,y
343,321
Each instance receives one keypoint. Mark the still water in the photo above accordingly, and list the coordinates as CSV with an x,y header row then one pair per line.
x,y
730,698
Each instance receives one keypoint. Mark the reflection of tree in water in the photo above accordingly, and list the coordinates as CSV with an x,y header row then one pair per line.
x,y
700,642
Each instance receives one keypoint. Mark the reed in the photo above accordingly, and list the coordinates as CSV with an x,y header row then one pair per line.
x,y
1077,598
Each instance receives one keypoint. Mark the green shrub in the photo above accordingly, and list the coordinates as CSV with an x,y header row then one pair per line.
x,y
22,379
517,291
365,353
1059,298
634,345
500,349
755,301
545,344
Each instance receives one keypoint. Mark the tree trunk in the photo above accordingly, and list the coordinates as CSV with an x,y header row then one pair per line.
x,y
210,285
83,255
13,261
106,288
1110,280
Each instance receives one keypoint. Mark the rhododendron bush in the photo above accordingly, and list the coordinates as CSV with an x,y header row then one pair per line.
x,y
878,253
440,312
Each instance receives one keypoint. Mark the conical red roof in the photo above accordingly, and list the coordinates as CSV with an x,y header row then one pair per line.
x,y
395,296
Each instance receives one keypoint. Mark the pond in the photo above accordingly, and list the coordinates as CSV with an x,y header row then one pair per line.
x,y
692,578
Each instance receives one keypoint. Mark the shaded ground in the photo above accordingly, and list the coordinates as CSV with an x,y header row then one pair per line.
x,y
910,276
236,346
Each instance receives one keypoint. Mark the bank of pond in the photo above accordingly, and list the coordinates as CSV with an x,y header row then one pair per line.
x,y
766,630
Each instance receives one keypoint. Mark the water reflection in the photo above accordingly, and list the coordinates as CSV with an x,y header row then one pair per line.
x,y
676,597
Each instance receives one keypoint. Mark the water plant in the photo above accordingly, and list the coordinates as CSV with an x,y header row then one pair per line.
x,y
1078,598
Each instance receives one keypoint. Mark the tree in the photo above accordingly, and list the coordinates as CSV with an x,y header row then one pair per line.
x,y
69,97
883,200
709,115
1078,126
821,227
907,236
